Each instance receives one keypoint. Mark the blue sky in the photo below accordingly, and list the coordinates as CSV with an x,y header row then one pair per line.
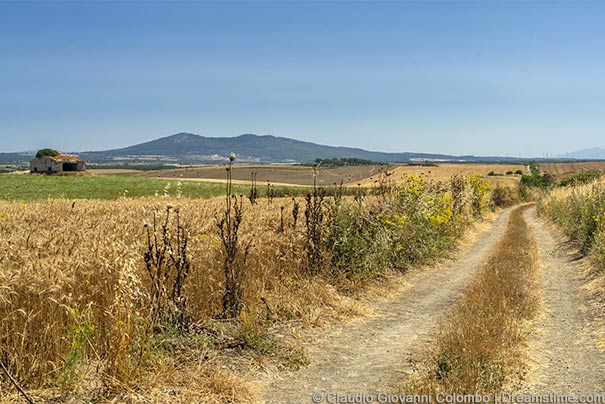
x,y
484,78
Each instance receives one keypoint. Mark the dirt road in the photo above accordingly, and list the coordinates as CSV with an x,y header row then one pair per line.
x,y
371,354
568,359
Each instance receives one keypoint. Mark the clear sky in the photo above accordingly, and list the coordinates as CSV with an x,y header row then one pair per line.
x,y
484,78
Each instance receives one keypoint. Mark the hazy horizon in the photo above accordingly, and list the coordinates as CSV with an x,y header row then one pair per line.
x,y
372,150
459,78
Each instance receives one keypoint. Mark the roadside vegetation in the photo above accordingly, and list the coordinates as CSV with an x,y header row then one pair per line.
x,y
479,348
579,209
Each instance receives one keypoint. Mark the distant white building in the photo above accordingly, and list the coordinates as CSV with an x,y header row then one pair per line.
x,y
56,164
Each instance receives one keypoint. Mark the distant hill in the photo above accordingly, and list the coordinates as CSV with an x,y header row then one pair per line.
x,y
595,153
189,148
16,158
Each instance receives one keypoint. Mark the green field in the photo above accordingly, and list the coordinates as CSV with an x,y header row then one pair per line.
x,y
35,187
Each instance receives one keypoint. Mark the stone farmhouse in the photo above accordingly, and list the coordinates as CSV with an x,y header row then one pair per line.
x,y
56,164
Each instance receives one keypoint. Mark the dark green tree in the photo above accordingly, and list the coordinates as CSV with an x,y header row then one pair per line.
x,y
46,152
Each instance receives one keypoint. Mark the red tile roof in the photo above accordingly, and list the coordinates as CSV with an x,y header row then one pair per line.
x,y
65,157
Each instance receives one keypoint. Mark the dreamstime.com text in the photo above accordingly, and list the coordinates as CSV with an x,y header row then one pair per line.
x,y
442,398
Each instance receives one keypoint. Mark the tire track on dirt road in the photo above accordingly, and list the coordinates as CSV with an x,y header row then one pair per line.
x,y
569,360
371,354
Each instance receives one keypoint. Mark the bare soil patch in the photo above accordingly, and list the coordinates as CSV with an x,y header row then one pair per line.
x,y
276,174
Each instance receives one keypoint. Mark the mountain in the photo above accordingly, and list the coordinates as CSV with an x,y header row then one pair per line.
x,y
189,148
595,153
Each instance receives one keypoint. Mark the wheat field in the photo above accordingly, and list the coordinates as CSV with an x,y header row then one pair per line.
x,y
76,294
443,172
568,169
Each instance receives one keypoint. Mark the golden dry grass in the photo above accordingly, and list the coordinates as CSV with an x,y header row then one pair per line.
x,y
70,265
579,211
479,348
180,384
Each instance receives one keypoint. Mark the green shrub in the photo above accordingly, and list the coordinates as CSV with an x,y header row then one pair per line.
x,y
358,245
580,178
504,196
46,152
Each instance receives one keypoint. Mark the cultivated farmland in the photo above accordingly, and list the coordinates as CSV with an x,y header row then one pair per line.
x,y
150,294
568,169
103,296
349,176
